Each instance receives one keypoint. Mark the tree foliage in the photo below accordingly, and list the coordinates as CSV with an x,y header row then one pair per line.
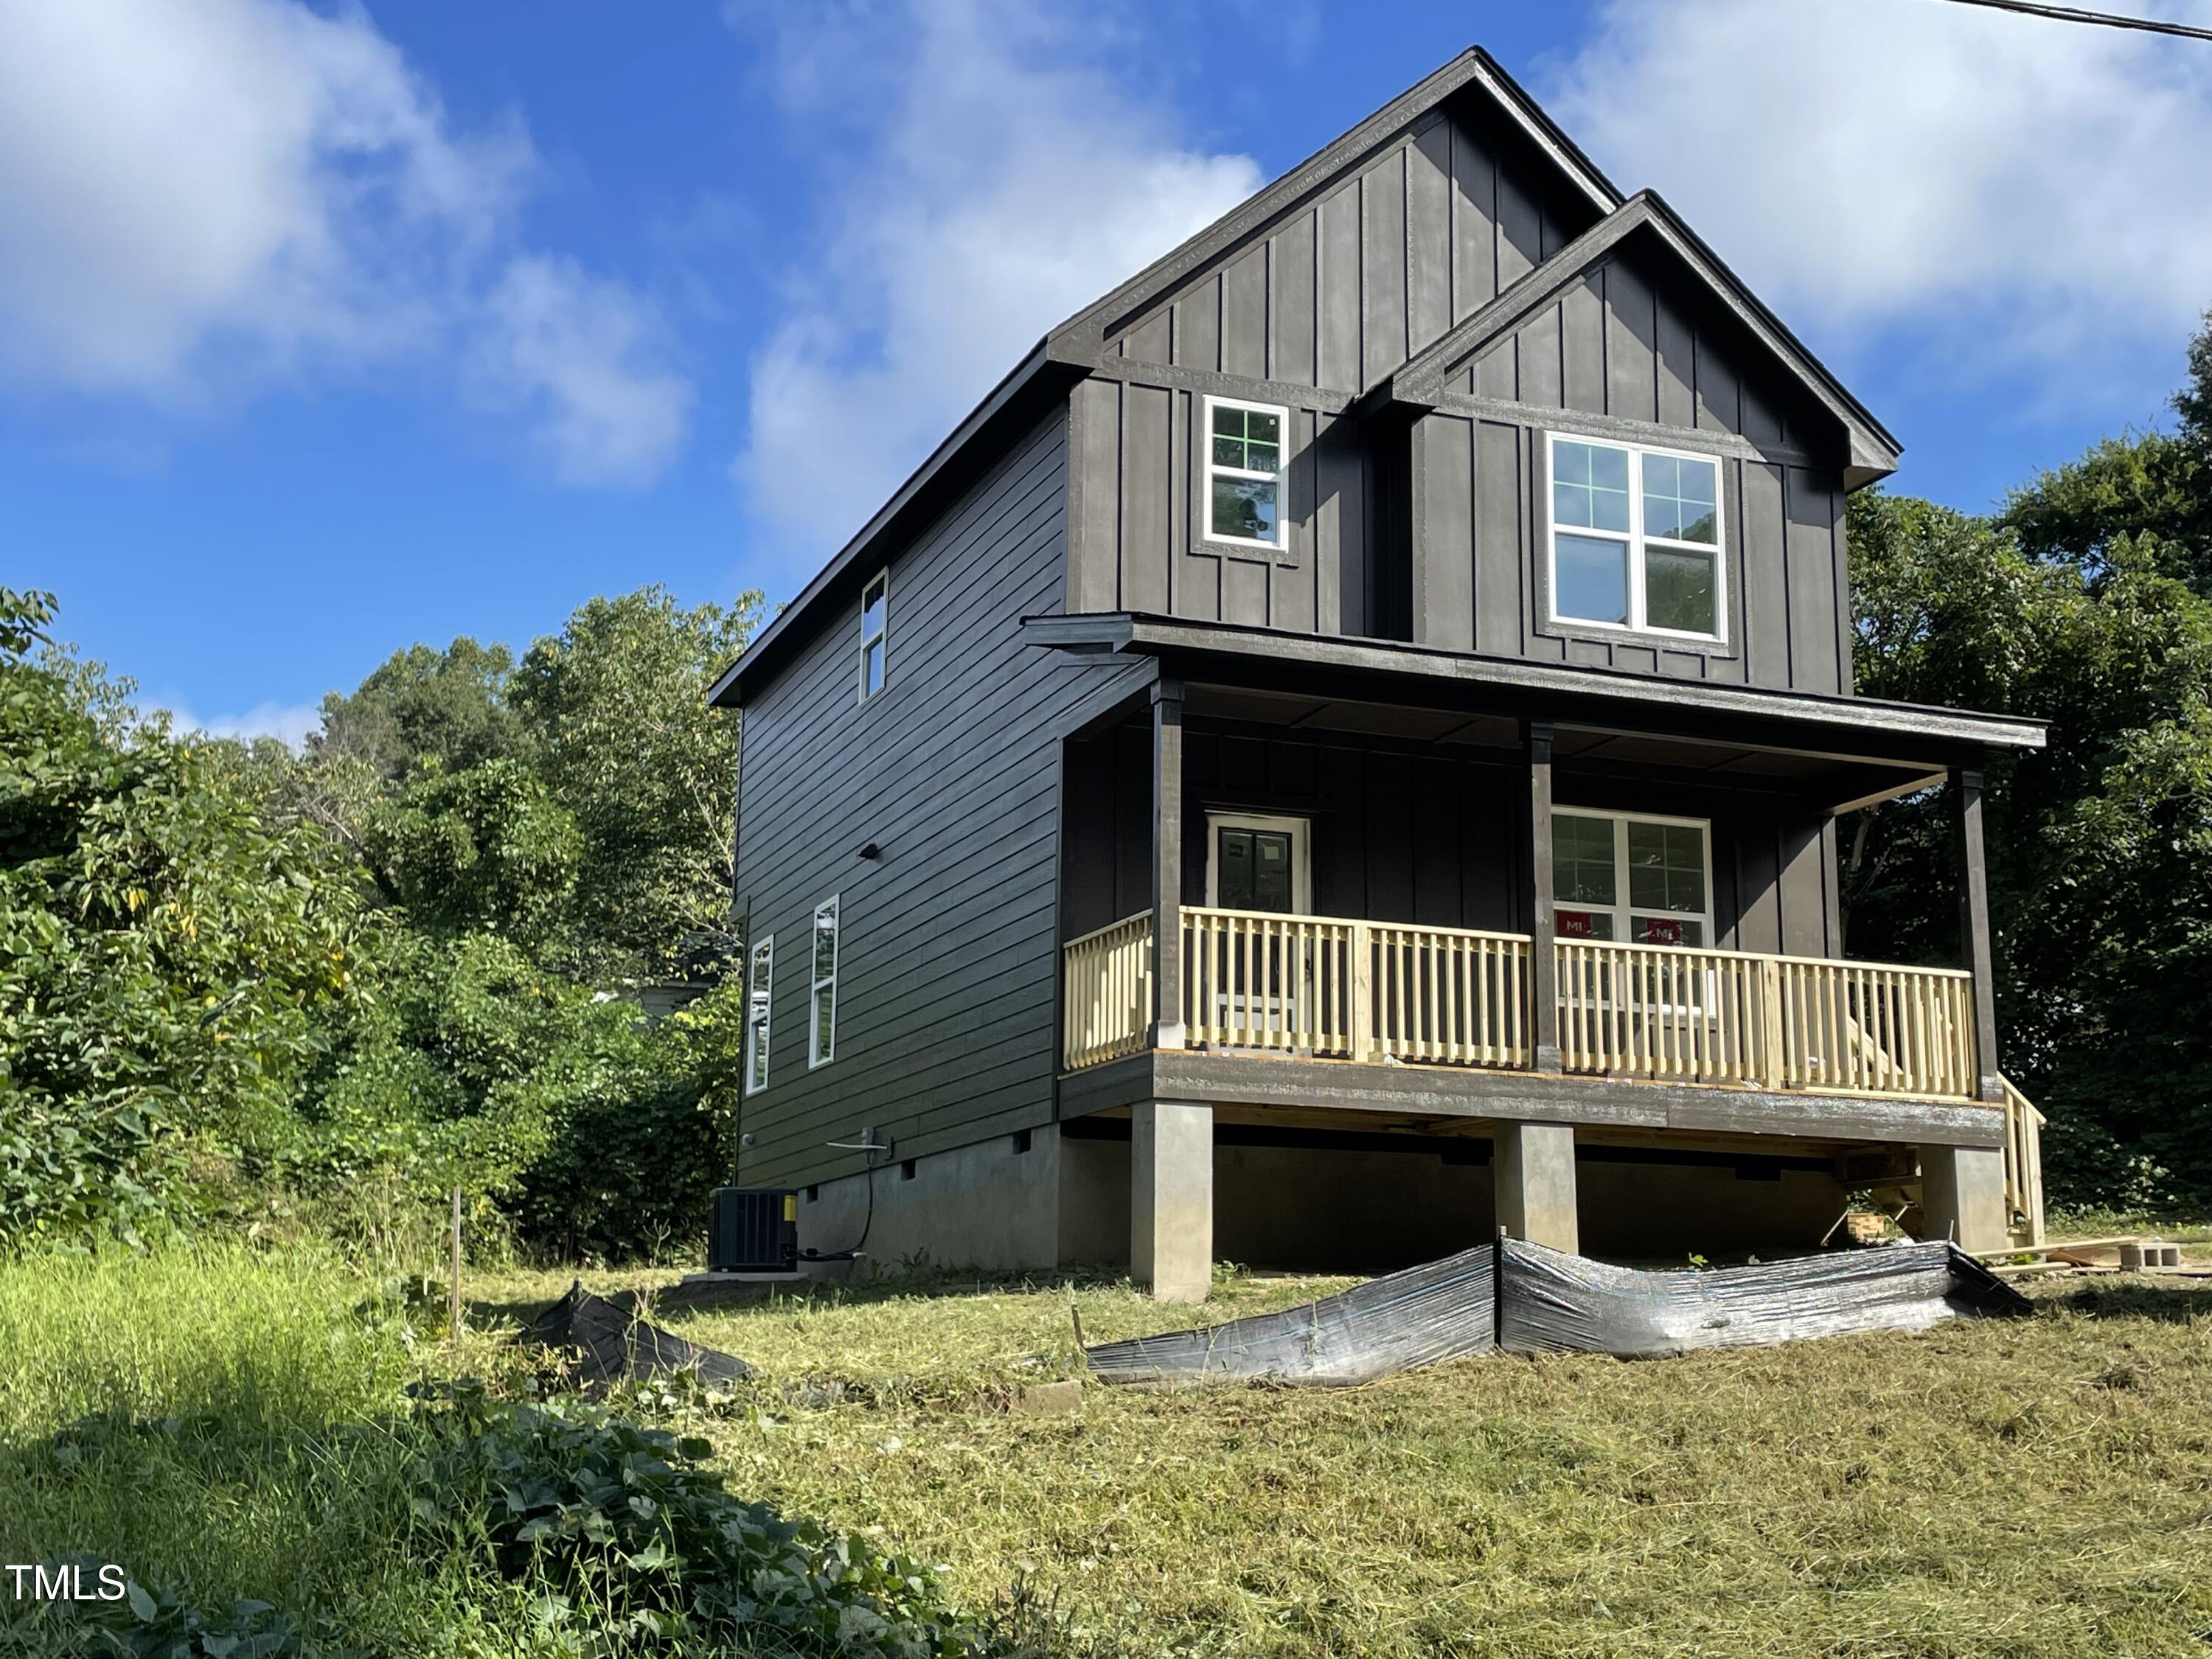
x,y
166,957
2084,604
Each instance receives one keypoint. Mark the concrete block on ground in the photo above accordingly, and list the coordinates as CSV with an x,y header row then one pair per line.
x,y
1171,1198
1962,1198
1535,1171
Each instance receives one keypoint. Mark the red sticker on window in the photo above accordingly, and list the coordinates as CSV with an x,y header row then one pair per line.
x,y
1657,932
1574,924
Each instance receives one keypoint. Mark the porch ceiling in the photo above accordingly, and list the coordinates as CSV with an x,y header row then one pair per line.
x,y
1838,781
1419,694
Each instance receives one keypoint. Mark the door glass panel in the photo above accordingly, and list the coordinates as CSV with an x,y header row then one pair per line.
x,y
1669,930
1253,869
1582,924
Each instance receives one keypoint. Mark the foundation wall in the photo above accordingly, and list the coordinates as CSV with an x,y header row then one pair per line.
x,y
1065,1202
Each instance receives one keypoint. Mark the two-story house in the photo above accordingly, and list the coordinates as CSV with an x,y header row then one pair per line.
x,y
1344,750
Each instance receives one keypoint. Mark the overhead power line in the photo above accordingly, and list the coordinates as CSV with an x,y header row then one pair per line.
x,y
2075,15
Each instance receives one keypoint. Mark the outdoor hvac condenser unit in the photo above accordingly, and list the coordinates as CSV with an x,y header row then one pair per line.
x,y
755,1230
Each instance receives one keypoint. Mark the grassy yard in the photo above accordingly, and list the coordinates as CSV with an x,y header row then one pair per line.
x,y
1990,1489
2035,1488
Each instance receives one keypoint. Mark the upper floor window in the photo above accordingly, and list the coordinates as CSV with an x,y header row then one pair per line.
x,y
1628,877
1636,538
822,1023
760,974
1244,473
875,633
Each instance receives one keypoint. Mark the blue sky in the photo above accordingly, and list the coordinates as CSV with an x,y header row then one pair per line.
x,y
325,330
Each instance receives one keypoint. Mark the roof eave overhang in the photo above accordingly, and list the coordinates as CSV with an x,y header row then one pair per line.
x,y
1873,452
1035,376
1907,733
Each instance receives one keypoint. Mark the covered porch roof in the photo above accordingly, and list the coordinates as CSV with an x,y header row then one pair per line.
x,y
1846,752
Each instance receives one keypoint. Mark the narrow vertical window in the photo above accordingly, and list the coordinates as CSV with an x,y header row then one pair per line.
x,y
875,633
1244,469
822,1024
760,970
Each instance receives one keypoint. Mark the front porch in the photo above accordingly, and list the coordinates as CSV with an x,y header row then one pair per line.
x,y
1364,889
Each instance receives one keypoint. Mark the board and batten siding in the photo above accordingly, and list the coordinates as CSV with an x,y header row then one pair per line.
x,y
1137,541
1614,359
947,1030
1375,265
1416,835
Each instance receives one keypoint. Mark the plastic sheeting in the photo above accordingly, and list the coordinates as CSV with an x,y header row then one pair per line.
x,y
1525,1298
612,1344
1441,1310
1549,1301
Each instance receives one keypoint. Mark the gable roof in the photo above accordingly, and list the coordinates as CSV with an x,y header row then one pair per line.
x,y
1080,337
1646,217
1061,357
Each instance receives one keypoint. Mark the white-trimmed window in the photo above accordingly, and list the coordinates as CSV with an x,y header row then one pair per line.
x,y
759,984
1244,473
875,633
821,1011
1636,539
1629,875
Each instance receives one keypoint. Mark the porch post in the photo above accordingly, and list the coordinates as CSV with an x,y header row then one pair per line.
x,y
1171,1198
1974,925
1536,859
1167,1024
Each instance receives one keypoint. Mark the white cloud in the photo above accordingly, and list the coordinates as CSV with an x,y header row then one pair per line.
x,y
197,198
591,358
1866,162
292,722
1009,182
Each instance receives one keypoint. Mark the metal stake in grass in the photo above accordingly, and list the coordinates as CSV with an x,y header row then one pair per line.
x,y
454,1280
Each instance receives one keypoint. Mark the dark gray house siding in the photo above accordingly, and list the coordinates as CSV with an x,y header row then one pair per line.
x,y
946,1026
1404,833
1347,286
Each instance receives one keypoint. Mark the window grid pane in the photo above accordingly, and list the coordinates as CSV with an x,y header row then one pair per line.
x,y
1593,580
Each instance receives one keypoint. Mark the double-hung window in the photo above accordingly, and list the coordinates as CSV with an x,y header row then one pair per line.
x,y
1636,539
822,1018
1626,875
875,633
1244,474
760,977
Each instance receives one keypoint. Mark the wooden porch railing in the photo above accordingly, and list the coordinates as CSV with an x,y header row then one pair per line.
x,y
1364,990
2023,1167
1337,988
1107,986
1735,1017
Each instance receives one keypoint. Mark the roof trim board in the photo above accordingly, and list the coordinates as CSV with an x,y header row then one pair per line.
x,y
1874,450
1082,337
1137,633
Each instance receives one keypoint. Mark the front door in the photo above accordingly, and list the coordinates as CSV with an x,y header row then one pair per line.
x,y
1255,863
1259,976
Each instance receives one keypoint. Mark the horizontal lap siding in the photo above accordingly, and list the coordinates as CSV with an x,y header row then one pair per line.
x,y
946,1027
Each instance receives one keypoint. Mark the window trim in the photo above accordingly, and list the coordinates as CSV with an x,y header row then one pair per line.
x,y
817,985
1624,912
1281,476
760,1009
1301,833
882,579
1636,541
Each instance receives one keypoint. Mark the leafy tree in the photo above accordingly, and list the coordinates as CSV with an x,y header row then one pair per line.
x,y
165,956
2100,845
2151,491
615,708
484,850
421,704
